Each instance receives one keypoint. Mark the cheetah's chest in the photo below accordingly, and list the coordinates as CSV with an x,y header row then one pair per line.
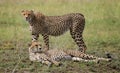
x,y
37,29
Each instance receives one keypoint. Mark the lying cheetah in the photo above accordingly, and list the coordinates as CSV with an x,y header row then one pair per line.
x,y
54,56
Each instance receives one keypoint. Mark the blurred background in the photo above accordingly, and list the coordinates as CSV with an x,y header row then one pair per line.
x,y
101,34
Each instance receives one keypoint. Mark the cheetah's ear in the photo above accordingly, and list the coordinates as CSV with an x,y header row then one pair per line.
x,y
22,11
29,44
32,11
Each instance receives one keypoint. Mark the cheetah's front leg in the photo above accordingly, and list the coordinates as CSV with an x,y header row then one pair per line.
x,y
46,41
55,62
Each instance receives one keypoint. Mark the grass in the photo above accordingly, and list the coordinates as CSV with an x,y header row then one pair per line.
x,y
101,34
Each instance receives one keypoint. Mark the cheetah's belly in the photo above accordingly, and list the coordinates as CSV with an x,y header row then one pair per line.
x,y
58,29
58,55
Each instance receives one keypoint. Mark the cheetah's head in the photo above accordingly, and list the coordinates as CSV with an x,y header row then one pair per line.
x,y
28,14
35,47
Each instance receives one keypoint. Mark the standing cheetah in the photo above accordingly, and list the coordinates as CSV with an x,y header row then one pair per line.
x,y
56,26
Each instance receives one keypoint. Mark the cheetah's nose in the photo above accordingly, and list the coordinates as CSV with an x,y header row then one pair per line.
x,y
40,48
26,15
27,18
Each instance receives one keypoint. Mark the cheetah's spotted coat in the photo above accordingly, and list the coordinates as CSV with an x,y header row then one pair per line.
x,y
56,26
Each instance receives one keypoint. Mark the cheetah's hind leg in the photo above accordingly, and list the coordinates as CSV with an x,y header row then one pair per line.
x,y
77,37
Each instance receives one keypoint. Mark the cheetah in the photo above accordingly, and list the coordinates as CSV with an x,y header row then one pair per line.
x,y
54,56
56,26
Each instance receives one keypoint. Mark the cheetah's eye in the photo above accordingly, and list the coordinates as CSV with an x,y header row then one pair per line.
x,y
28,14
36,45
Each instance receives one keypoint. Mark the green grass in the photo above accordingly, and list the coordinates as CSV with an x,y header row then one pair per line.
x,y
101,34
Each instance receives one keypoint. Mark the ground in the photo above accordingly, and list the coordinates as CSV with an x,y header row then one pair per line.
x,y
101,35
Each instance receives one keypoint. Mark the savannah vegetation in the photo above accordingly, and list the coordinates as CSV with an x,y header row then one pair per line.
x,y
101,35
